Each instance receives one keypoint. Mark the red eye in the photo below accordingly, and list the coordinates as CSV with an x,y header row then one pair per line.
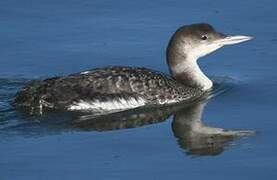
x,y
204,37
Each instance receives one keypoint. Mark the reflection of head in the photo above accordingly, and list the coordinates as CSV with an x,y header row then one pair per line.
x,y
202,144
196,137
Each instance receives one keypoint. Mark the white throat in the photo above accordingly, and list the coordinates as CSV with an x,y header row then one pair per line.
x,y
188,72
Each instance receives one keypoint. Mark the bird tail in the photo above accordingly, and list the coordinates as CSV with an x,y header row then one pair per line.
x,y
28,95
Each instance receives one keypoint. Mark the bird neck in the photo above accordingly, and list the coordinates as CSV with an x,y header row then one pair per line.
x,y
184,68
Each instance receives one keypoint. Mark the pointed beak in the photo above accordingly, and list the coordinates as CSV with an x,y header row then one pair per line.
x,y
228,40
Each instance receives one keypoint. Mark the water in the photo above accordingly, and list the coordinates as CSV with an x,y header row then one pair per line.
x,y
45,38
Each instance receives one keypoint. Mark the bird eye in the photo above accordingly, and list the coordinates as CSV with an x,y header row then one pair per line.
x,y
204,37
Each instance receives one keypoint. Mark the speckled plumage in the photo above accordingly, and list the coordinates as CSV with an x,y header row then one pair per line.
x,y
104,85
116,88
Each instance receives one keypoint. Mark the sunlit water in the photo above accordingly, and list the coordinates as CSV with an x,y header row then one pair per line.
x,y
212,139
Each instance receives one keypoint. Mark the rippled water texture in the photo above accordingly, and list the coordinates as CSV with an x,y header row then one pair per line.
x,y
229,134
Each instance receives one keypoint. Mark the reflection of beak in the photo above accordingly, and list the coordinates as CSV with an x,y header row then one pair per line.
x,y
233,40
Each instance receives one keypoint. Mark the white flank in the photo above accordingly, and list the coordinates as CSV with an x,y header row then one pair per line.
x,y
85,72
116,104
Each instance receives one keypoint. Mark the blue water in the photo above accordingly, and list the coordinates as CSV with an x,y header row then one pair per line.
x,y
40,39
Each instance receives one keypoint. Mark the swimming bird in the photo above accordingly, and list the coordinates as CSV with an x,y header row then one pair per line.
x,y
117,88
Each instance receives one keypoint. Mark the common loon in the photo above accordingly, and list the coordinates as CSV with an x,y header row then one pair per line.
x,y
116,88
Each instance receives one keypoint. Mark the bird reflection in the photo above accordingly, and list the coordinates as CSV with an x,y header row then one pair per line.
x,y
191,133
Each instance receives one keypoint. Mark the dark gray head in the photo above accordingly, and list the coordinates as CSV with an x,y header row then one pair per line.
x,y
191,42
